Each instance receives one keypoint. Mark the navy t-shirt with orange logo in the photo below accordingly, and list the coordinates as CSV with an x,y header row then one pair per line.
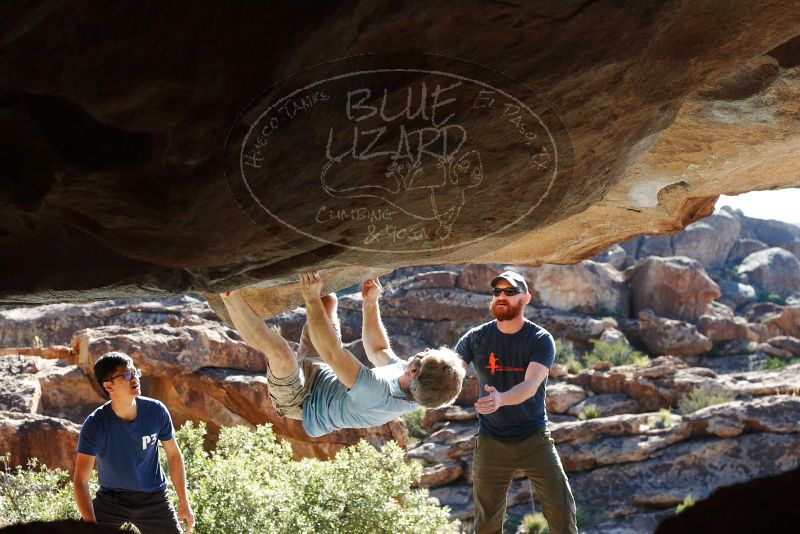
x,y
500,360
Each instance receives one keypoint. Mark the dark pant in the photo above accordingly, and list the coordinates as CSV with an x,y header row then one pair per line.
x,y
150,512
494,464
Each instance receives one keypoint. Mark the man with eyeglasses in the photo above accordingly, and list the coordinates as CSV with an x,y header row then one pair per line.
x,y
324,385
512,357
122,437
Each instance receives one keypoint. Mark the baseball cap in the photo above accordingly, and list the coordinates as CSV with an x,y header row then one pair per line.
x,y
515,279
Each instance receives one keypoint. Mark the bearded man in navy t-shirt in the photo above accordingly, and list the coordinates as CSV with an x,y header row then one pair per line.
x,y
512,357
122,438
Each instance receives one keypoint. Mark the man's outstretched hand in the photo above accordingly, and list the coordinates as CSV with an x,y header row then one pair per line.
x,y
371,290
491,402
311,286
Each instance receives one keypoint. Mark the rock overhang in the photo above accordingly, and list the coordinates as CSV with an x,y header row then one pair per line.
x,y
115,170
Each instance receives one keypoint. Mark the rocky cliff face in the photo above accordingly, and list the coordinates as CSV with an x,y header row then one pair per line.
x,y
609,120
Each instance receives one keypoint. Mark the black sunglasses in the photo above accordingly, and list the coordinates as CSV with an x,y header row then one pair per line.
x,y
126,374
509,291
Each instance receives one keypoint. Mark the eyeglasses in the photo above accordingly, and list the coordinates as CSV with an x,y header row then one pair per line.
x,y
509,291
127,374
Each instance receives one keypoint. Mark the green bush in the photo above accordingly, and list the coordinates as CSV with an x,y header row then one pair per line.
x,y
250,483
567,355
770,296
774,363
536,523
688,502
585,518
533,524
591,411
34,492
616,354
702,397
413,421
663,419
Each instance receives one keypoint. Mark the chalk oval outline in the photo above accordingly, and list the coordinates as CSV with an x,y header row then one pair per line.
x,y
351,74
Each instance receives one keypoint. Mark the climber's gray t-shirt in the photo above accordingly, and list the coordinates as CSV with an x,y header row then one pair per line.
x,y
375,398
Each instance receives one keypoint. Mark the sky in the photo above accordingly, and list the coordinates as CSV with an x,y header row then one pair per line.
x,y
781,205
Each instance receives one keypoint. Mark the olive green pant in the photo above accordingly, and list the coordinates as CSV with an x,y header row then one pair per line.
x,y
494,464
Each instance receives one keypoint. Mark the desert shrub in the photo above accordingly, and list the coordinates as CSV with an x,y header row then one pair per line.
x,y
250,483
616,354
774,363
770,296
702,397
533,524
663,419
34,492
688,502
567,355
413,421
585,518
536,523
590,412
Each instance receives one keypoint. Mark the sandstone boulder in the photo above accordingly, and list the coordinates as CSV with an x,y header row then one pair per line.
x,y
722,329
67,392
439,279
561,397
695,467
737,347
773,270
435,304
786,343
54,324
786,320
603,379
659,386
773,233
591,429
736,294
29,384
580,456
55,352
660,246
675,288
571,326
793,247
477,277
773,350
163,350
615,255
785,381
779,414
588,287
667,336
50,440
708,241
450,413
612,336
608,404
442,474
743,248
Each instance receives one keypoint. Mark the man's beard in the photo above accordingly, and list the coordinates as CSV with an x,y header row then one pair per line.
x,y
508,312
